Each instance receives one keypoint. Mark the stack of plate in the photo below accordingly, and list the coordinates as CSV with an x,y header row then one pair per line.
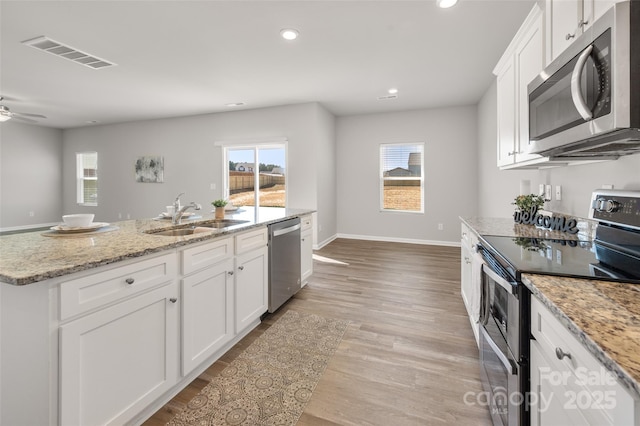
x,y
65,229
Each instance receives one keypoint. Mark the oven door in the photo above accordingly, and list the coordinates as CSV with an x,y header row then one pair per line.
x,y
500,378
500,311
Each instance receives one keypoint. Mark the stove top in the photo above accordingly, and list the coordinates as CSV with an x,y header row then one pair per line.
x,y
569,258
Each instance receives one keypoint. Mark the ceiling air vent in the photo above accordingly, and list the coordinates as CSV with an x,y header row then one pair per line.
x,y
387,97
50,46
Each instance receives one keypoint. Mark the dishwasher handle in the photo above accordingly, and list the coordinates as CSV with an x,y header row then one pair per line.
x,y
286,230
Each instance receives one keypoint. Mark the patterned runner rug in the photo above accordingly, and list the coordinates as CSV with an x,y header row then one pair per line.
x,y
272,380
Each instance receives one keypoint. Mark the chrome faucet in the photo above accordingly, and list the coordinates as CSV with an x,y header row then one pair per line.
x,y
177,215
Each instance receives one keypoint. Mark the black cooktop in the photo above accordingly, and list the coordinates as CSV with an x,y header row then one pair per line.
x,y
570,258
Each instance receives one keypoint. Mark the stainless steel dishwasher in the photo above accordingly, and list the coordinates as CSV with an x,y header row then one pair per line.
x,y
284,261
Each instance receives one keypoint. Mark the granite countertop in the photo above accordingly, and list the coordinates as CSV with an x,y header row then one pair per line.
x,y
507,227
30,257
604,316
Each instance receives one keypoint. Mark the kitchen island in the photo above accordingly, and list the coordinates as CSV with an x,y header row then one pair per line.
x,y
31,257
601,316
104,328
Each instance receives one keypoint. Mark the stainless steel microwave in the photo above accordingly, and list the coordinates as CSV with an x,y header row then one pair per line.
x,y
586,103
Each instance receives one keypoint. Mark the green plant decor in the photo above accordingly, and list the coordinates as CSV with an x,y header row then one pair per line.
x,y
525,203
219,203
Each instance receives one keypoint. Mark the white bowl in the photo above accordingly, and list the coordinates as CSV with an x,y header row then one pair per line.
x,y
78,220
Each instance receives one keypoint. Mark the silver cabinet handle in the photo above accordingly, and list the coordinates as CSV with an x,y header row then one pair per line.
x,y
129,281
561,354
173,300
241,268
576,76
582,23
569,36
467,260
230,272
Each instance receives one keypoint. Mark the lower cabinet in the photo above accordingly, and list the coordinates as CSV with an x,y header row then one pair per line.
x,y
569,386
207,313
252,285
469,279
306,249
115,361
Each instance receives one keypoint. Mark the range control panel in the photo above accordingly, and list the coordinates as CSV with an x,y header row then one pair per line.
x,y
616,207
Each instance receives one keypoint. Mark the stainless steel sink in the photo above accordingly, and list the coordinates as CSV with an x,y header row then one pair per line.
x,y
221,223
213,224
174,232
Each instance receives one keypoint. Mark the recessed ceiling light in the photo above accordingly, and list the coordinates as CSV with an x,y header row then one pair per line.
x,y
446,3
289,34
392,91
234,104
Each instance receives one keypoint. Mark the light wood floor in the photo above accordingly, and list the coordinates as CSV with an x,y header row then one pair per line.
x,y
408,356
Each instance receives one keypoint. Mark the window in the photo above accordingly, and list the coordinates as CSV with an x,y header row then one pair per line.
x,y
87,178
243,176
402,177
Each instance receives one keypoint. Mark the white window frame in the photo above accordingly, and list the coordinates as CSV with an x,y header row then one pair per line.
x,y
255,146
383,178
81,178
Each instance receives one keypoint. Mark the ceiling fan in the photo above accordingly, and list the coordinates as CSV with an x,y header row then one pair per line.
x,y
7,114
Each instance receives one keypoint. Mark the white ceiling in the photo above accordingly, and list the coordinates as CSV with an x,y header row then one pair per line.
x,y
177,58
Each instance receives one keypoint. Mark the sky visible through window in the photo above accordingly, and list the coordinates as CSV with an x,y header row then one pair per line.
x,y
267,156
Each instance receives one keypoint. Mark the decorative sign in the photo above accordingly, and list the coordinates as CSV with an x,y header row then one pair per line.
x,y
554,223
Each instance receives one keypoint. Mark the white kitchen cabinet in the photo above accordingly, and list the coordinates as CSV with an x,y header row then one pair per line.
x,y
207,313
569,385
306,249
470,280
521,62
566,20
117,360
252,286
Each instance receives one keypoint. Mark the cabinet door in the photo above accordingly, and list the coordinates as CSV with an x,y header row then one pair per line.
x,y
252,284
207,314
529,57
116,361
592,10
306,255
552,400
506,114
564,17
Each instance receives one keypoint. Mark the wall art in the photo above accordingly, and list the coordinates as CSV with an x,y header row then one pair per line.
x,y
150,169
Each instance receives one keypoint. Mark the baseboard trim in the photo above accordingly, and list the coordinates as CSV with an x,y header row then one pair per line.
x,y
325,242
399,240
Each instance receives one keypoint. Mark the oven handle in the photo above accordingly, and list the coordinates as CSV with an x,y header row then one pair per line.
x,y
501,281
508,364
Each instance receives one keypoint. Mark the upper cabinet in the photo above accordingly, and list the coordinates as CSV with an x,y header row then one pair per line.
x,y
522,61
567,19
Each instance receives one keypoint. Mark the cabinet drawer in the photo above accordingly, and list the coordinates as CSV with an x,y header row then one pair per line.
x,y
250,240
92,291
551,334
202,256
306,222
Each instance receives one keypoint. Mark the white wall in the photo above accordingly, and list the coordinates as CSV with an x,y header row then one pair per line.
x,y
450,137
192,161
497,189
30,175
